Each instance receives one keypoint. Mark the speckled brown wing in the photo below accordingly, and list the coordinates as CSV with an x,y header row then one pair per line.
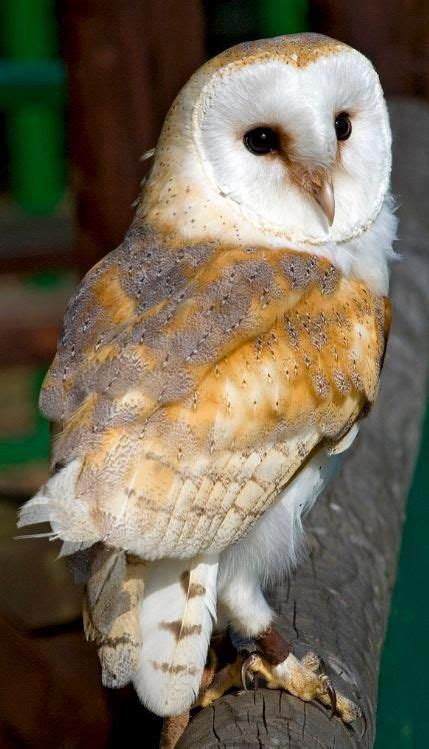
x,y
192,382
114,587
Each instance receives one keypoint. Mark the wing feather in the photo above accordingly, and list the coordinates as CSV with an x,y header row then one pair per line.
x,y
191,383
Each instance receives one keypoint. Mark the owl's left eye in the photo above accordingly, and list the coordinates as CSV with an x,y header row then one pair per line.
x,y
343,126
261,140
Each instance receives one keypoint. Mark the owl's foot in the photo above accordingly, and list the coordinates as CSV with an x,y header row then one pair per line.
x,y
278,667
222,671
228,677
300,678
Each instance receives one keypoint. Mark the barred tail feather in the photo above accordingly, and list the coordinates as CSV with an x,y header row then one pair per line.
x,y
114,589
176,619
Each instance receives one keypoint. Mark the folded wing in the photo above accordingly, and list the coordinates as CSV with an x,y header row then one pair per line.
x,y
190,385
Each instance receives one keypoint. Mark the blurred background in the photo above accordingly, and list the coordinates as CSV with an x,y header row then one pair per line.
x,y
84,88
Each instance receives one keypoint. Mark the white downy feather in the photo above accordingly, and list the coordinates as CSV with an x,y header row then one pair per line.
x,y
56,503
176,617
275,544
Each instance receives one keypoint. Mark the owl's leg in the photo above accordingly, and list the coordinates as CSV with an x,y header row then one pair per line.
x,y
274,662
246,609
243,607
222,671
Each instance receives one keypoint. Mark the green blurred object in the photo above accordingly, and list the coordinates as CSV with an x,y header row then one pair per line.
x,y
46,279
232,21
403,706
35,129
278,17
24,433
31,82
35,445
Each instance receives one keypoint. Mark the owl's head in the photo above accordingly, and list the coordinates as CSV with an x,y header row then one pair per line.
x,y
287,137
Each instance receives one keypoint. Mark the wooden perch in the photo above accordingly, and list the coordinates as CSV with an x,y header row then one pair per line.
x,y
337,604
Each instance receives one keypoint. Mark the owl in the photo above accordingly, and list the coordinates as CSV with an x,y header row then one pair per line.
x,y
214,367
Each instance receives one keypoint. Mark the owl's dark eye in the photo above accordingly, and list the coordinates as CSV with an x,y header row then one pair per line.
x,y
343,126
261,140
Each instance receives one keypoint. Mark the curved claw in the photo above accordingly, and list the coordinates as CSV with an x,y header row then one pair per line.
x,y
332,696
249,661
365,726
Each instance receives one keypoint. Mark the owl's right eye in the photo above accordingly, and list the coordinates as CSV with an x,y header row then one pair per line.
x,y
261,140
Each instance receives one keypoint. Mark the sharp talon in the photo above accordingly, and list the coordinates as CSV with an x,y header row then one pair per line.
x,y
244,674
332,696
244,669
365,726
322,666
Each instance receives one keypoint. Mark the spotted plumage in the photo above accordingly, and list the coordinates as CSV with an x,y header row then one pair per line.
x,y
243,363
213,366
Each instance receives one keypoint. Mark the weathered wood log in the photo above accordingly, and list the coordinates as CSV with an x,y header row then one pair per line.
x,y
337,603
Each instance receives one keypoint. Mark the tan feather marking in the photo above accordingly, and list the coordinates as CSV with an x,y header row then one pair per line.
x,y
113,299
178,669
191,590
184,581
115,641
196,589
179,630
297,49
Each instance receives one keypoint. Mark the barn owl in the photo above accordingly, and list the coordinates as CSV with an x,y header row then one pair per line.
x,y
213,368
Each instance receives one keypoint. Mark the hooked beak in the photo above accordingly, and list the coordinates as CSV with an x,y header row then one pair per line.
x,y
326,199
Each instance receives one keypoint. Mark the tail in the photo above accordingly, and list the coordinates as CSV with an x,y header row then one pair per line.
x,y
176,619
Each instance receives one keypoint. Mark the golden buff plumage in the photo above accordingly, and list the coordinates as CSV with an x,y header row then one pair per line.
x,y
212,368
193,387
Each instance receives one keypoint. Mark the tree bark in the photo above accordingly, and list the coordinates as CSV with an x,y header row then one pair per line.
x,y
337,603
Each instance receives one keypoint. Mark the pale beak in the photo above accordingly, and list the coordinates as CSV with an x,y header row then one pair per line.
x,y
326,199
